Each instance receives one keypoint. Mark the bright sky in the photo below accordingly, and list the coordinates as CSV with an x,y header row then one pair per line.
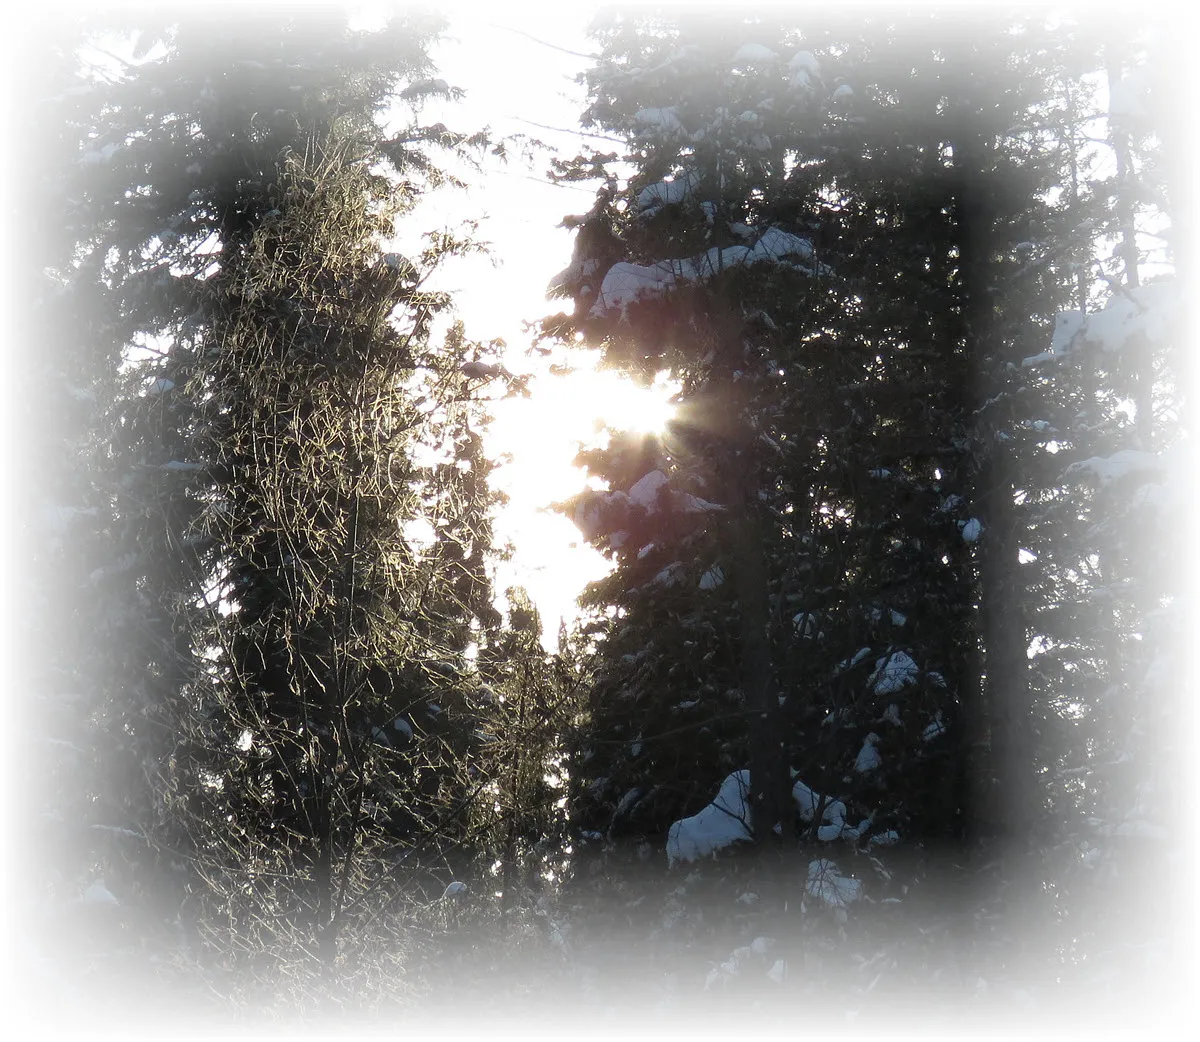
x,y
512,81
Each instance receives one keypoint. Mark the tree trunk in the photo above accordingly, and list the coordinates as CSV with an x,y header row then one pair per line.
x,y
769,781
510,874
1001,585
1127,249
770,785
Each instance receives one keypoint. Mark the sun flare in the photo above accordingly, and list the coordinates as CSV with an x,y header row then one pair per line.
x,y
541,436
622,405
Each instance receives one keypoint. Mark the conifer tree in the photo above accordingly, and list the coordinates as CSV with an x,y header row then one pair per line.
x,y
299,507
902,451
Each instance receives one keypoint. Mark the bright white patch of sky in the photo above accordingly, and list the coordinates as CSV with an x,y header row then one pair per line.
x,y
519,78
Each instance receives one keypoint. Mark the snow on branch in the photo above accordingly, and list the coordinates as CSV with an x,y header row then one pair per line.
x,y
666,193
604,513
754,54
893,673
626,282
726,820
1144,313
827,884
1107,469
664,120
720,824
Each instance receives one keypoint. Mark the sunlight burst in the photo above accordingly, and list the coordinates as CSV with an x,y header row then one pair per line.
x,y
541,436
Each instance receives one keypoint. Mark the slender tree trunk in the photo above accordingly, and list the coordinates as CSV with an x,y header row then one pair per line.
x,y
769,781
337,741
1175,122
509,878
1002,592
770,784
1006,659
1127,249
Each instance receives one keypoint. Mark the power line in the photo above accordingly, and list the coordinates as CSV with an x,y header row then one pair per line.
x,y
544,181
544,43
568,130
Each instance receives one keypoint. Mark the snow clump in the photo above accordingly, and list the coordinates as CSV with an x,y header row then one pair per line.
x,y
666,193
824,882
722,823
868,756
893,673
754,54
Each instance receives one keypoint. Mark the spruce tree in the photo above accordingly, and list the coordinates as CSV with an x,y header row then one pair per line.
x,y
299,509
900,453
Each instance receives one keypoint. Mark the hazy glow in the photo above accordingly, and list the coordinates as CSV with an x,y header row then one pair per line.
x,y
586,400
505,72
542,435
